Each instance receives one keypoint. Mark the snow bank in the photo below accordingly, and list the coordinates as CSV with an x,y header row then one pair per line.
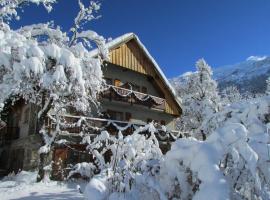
x,y
84,169
24,186
22,177
97,188
203,159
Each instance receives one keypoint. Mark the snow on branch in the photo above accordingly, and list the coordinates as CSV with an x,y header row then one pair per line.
x,y
8,8
47,30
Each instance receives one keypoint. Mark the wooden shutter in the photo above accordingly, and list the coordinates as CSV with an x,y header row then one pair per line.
x,y
117,83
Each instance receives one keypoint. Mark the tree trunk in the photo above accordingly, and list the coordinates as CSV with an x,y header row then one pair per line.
x,y
43,157
42,163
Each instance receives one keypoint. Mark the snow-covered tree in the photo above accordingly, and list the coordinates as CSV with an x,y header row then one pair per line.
x,y
132,158
230,95
48,67
267,91
199,96
8,8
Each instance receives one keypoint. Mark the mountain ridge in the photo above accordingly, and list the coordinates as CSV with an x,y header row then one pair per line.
x,y
248,76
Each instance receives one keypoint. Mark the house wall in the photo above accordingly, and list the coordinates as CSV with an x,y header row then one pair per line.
x,y
23,116
29,147
140,114
115,72
24,120
22,153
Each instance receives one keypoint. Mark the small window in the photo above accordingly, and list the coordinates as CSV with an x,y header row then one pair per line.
x,y
26,116
119,116
128,116
118,83
162,122
114,115
127,86
144,90
149,120
136,88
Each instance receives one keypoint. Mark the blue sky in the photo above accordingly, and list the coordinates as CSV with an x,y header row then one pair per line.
x,y
177,32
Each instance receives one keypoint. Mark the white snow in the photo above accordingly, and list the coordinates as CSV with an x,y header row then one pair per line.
x,y
256,58
97,188
202,158
23,186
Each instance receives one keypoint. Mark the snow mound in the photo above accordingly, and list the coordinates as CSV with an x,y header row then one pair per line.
x,y
97,188
22,177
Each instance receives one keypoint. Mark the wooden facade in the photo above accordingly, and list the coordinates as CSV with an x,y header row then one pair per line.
x,y
131,56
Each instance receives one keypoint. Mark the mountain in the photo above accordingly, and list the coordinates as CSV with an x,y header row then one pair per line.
x,y
248,76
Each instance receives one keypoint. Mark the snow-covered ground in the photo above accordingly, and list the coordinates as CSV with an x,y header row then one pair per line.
x,y
24,187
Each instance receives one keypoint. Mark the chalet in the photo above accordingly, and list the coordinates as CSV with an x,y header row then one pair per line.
x,y
137,93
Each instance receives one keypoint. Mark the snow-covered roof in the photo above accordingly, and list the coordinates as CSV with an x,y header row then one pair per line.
x,y
129,36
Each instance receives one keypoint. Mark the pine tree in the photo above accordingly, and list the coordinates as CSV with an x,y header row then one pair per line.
x,y
200,98
267,86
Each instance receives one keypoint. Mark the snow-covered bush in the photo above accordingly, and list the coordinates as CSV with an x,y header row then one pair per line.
x,y
133,158
225,166
239,133
84,169
48,67
190,171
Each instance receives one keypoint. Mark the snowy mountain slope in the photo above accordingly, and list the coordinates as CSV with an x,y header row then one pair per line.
x,y
248,76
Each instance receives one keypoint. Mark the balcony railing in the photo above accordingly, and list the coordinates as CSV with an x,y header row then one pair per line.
x,y
75,124
72,125
133,97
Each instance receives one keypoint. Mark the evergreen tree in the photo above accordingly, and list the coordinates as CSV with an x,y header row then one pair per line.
x,y
267,86
200,98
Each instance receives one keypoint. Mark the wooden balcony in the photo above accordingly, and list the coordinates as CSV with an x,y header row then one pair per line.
x,y
94,126
133,97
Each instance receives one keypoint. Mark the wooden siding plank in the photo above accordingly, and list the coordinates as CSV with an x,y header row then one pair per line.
x,y
132,61
117,56
124,55
129,58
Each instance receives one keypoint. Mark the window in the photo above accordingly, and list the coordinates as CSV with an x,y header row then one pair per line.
x,y
162,122
126,85
135,88
118,83
128,116
144,90
26,116
119,116
149,120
